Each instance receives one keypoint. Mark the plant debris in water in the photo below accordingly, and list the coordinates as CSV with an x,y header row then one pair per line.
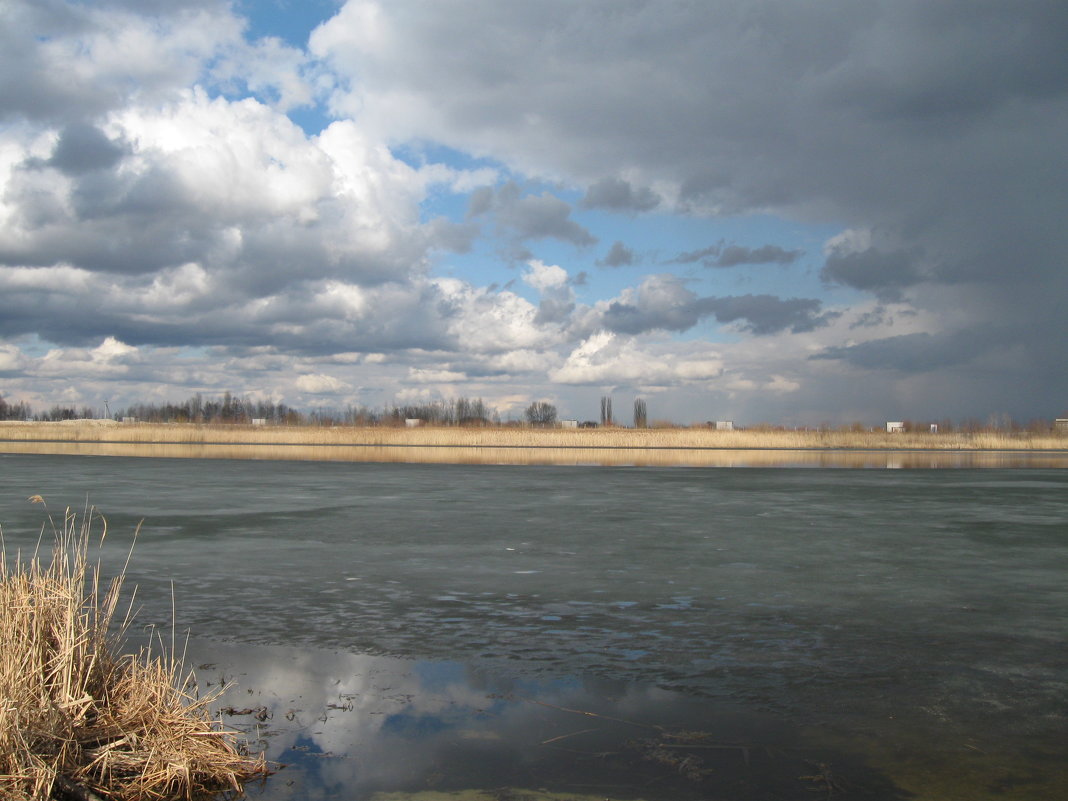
x,y
78,719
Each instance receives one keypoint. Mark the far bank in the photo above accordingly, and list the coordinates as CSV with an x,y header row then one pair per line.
x,y
525,436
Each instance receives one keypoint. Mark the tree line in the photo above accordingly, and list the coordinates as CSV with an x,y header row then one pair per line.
x,y
462,411
233,409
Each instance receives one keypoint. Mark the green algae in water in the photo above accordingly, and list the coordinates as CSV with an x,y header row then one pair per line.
x,y
955,765
974,776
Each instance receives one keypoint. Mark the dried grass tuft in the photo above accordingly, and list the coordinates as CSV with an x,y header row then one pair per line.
x,y
80,720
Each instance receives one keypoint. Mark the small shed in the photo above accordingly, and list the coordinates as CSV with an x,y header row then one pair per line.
x,y
259,421
724,425
1061,424
569,424
895,427
412,422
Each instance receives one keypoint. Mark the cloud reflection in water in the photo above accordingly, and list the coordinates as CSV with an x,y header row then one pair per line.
x,y
350,725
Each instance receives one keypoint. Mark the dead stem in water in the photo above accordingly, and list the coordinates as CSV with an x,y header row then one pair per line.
x,y
79,720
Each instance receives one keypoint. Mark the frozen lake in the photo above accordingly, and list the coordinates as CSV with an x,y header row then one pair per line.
x,y
908,624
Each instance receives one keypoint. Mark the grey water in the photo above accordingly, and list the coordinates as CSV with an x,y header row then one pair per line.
x,y
910,621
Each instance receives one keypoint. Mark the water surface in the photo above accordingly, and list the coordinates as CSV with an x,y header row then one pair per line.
x,y
906,626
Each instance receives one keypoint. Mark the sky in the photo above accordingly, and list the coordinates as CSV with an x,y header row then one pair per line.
x,y
757,210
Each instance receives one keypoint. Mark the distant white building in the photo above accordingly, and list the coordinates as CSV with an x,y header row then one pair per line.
x,y
412,422
569,424
1061,424
895,428
259,421
724,425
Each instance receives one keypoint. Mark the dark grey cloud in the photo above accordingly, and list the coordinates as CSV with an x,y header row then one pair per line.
x,y
721,255
480,201
83,148
768,314
555,308
735,255
915,353
663,302
875,317
303,320
885,274
694,256
527,216
545,216
616,194
619,255
454,237
625,318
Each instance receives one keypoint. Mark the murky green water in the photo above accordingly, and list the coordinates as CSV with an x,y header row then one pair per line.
x,y
401,623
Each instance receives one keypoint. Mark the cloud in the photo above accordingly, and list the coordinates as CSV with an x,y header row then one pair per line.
x,y
884,274
545,277
154,192
939,127
482,322
767,314
271,70
11,360
234,187
319,384
418,375
616,194
663,302
721,255
111,358
920,352
693,256
607,359
212,222
69,62
527,217
735,255
557,297
619,255
83,148
660,302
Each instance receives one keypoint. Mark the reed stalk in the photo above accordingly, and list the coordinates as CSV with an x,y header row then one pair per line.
x,y
79,719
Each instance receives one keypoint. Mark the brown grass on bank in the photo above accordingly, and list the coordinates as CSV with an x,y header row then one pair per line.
x,y
77,719
490,437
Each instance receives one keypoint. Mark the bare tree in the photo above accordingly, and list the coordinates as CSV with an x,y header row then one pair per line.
x,y
641,418
541,413
606,410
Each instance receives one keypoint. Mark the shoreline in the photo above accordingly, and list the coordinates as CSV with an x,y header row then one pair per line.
x,y
559,456
490,446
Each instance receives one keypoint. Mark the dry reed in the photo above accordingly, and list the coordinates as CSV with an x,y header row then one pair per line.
x,y
505,437
79,720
